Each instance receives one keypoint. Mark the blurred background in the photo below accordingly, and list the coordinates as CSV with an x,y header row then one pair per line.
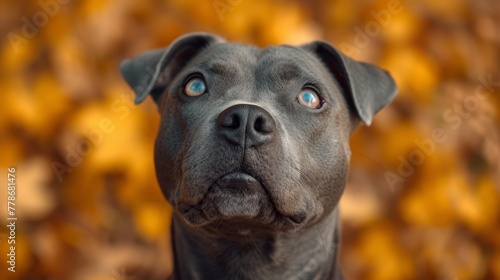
x,y
423,196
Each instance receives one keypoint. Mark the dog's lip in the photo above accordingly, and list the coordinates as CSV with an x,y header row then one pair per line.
x,y
239,181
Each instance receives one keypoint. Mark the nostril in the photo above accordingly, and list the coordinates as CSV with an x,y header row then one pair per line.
x,y
262,125
298,218
259,124
232,121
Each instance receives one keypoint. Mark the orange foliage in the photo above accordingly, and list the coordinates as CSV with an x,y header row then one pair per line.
x,y
411,211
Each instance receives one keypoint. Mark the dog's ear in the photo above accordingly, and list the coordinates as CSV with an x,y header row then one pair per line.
x,y
366,87
151,71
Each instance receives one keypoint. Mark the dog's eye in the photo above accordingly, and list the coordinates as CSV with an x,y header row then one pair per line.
x,y
309,98
195,87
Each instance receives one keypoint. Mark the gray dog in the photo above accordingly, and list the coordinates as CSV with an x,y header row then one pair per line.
x,y
253,151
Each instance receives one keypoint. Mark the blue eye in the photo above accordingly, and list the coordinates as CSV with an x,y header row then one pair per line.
x,y
309,98
195,87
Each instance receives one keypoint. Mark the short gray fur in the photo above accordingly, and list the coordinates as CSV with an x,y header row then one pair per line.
x,y
253,176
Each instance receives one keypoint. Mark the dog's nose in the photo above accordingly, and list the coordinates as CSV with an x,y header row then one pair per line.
x,y
246,125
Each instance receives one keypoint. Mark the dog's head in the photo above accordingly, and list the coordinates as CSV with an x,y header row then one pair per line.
x,y
255,140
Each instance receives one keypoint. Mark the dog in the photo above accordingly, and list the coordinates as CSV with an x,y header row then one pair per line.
x,y
253,151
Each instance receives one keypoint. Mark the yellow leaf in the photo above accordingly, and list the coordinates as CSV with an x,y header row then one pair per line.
x,y
414,71
379,248
478,206
153,220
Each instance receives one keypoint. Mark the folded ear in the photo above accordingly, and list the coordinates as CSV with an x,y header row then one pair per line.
x,y
151,71
366,87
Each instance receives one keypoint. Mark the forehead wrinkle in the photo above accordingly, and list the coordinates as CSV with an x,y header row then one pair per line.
x,y
285,71
229,58
285,64
219,67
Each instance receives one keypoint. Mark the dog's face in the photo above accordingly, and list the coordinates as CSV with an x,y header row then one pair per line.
x,y
239,146
255,140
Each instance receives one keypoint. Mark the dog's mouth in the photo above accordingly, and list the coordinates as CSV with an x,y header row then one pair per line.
x,y
237,201
236,195
239,183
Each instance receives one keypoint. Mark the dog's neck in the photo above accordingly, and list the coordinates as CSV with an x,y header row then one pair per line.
x,y
307,254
